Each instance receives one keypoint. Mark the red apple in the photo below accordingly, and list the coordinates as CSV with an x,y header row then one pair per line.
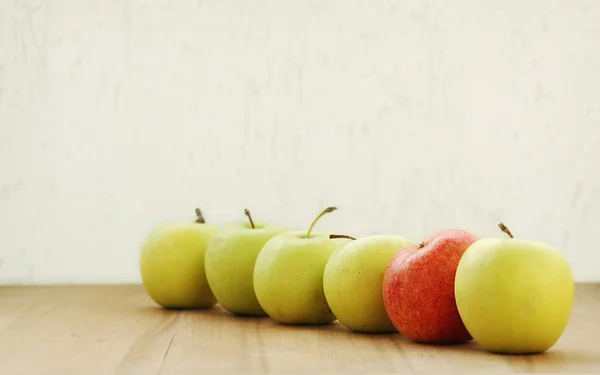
x,y
418,288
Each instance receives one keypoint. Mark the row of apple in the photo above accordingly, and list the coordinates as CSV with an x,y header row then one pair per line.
x,y
510,295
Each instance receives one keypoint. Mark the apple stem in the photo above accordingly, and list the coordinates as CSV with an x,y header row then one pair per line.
x,y
325,211
199,217
334,236
421,245
247,213
505,229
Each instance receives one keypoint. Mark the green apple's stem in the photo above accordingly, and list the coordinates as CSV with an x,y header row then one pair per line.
x,y
334,236
505,229
199,217
247,212
325,211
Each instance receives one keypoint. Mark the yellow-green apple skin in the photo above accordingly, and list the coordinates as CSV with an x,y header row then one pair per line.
x,y
288,277
514,296
229,265
353,281
172,265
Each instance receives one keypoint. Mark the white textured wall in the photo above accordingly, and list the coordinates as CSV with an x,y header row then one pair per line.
x,y
410,116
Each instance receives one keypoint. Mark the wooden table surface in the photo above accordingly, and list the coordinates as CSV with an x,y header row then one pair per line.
x,y
88,330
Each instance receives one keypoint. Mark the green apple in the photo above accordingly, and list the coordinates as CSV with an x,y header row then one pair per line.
x,y
229,264
288,275
172,264
514,296
353,280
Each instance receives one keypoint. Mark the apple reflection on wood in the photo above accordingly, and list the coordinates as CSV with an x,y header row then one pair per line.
x,y
509,295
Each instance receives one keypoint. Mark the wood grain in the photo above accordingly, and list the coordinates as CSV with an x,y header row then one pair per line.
x,y
67,330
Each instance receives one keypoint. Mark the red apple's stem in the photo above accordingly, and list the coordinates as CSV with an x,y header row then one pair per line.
x,y
505,229
199,217
421,245
247,212
334,236
325,211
